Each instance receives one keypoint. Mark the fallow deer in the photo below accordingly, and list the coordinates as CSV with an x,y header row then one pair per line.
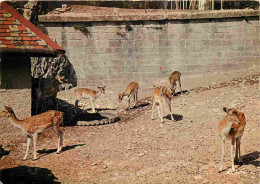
x,y
34,125
162,95
232,127
175,76
131,91
48,88
89,93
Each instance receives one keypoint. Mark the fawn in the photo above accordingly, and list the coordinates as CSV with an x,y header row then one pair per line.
x,y
161,95
34,125
131,91
232,127
89,93
175,76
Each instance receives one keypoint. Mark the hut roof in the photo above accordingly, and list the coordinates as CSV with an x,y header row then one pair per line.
x,y
20,36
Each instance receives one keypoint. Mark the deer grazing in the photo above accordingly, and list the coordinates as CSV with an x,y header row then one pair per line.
x,y
89,93
232,127
162,95
131,91
48,88
34,125
175,76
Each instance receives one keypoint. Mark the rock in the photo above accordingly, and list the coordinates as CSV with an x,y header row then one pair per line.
x,y
198,177
94,164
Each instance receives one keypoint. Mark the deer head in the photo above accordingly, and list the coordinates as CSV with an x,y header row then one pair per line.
x,y
102,89
61,79
234,115
7,112
120,97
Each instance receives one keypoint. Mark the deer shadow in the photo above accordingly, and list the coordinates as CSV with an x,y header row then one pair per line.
x,y
27,175
73,114
176,117
250,159
45,152
99,109
179,93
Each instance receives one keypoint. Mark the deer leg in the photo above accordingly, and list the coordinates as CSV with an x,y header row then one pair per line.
x,y
93,107
161,112
180,84
129,104
34,146
135,98
223,152
60,138
239,153
231,154
170,109
236,156
29,139
158,109
153,109
76,103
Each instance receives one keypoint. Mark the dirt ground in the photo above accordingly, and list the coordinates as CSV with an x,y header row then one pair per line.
x,y
137,149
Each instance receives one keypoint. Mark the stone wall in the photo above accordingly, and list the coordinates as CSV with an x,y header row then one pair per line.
x,y
117,52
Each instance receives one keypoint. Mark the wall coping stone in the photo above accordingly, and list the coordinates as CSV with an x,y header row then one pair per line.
x,y
91,16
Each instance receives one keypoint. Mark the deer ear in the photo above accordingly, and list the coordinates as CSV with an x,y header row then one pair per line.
x,y
225,109
8,108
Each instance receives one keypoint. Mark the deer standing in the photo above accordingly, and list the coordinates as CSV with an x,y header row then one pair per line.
x,y
162,95
232,127
175,76
34,125
89,93
131,91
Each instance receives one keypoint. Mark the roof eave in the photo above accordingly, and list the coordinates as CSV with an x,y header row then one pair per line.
x,y
31,52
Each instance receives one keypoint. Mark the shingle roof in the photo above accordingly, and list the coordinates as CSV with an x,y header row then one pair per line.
x,y
18,35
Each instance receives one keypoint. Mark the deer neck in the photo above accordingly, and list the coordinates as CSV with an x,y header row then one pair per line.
x,y
98,93
15,121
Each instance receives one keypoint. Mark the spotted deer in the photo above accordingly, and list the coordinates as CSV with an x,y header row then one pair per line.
x,y
131,91
162,95
34,125
174,77
232,127
91,94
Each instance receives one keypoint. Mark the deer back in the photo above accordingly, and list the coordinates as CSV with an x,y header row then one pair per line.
x,y
131,88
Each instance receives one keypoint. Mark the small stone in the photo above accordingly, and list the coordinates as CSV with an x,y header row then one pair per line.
x,y
205,181
94,164
198,177
141,154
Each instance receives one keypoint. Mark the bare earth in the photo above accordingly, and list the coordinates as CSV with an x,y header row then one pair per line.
x,y
140,150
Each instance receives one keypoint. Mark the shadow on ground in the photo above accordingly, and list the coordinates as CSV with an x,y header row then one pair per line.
x,y
73,114
179,93
3,152
27,175
45,152
251,158
176,117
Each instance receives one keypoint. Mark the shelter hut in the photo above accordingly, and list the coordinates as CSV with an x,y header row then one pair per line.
x,y
20,40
